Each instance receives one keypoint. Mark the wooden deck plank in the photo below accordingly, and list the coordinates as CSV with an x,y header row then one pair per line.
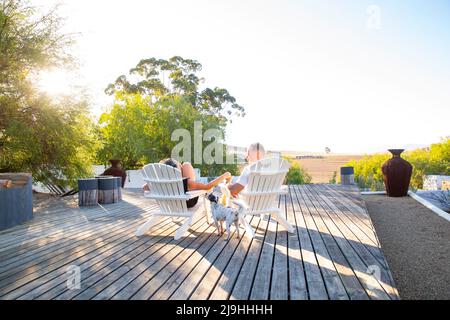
x,y
57,238
227,280
155,272
361,225
112,266
105,259
370,283
244,282
67,246
261,282
72,225
333,282
187,286
202,289
326,258
347,200
127,273
279,289
298,289
36,278
369,249
315,283
371,255
39,222
49,262
348,277
187,268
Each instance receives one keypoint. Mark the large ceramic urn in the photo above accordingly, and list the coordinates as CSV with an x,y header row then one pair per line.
x,y
396,174
116,171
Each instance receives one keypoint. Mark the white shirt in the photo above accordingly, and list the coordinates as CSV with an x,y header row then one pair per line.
x,y
243,178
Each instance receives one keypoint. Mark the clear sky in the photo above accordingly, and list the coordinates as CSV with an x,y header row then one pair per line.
x,y
310,73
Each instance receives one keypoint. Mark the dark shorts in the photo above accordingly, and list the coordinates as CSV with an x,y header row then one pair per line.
x,y
191,202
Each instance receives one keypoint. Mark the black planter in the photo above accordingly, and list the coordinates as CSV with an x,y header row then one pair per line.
x,y
16,203
347,175
396,174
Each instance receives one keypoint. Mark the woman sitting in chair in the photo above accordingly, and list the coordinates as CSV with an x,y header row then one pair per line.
x,y
189,183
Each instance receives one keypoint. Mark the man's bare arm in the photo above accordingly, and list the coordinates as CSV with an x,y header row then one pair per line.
x,y
235,188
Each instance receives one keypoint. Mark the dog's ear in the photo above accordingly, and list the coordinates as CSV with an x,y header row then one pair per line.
x,y
212,197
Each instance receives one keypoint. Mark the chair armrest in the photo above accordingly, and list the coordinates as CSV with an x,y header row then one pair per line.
x,y
161,180
284,189
264,193
149,195
196,193
188,195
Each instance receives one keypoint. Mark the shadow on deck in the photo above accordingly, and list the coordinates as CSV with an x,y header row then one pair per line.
x,y
334,253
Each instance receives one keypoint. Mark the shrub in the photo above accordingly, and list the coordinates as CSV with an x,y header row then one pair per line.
x,y
368,173
297,174
432,160
333,178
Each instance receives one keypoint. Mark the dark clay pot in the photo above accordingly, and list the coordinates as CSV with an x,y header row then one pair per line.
x,y
116,171
396,174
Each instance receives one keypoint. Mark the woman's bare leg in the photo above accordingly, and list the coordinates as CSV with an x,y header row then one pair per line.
x,y
187,171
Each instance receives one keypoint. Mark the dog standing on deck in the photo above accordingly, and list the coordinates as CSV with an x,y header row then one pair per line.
x,y
230,215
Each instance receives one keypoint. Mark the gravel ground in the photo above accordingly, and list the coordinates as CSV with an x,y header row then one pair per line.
x,y
416,244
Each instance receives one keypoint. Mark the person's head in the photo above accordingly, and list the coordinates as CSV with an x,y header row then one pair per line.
x,y
255,152
171,162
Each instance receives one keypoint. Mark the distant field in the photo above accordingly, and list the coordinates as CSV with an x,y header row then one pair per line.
x,y
321,170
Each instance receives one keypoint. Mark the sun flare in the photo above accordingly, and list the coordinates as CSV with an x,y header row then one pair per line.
x,y
55,82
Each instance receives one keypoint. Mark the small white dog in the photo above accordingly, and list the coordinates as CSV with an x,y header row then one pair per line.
x,y
228,214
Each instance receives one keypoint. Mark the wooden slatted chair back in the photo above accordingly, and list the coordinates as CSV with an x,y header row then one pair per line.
x,y
166,183
264,183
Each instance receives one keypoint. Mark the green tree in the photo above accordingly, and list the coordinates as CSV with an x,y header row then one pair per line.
x,y
159,78
125,131
29,42
51,137
163,97
138,131
54,142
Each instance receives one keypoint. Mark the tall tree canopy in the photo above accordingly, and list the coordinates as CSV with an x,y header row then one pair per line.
x,y
164,96
159,78
52,137
29,42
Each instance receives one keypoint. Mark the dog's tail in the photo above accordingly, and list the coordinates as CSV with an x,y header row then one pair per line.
x,y
240,203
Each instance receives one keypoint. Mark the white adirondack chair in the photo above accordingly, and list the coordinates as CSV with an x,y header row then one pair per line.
x,y
166,187
263,188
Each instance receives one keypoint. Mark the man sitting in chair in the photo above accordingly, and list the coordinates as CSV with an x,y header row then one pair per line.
x,y
255,152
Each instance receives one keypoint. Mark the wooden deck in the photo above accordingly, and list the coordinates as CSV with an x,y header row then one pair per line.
x,y
334,254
